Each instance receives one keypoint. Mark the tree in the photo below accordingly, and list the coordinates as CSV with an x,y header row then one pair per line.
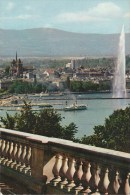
x,y
84,86
52,87
7,70
76,86
69,132
114,134
48,123
8,122
26,120
68,82
25,87
45,122
37,88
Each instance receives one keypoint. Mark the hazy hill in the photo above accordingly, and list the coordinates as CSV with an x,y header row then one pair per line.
x,y
53,42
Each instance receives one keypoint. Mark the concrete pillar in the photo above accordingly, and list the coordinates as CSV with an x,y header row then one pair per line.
x,y
37,161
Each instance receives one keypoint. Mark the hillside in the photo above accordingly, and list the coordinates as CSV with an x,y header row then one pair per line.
x,y
53,42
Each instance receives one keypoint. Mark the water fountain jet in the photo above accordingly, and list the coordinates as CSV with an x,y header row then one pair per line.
x,y
119,80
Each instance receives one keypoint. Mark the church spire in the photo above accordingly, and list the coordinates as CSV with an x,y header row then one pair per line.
x,y
16,56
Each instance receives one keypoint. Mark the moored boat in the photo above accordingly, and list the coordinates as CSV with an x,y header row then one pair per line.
x,y
45,106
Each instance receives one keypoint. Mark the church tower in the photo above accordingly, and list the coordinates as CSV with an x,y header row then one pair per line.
x,y
16,68
16,56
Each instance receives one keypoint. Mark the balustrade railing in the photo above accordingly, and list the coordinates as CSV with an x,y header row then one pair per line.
x,y
65,166
16,154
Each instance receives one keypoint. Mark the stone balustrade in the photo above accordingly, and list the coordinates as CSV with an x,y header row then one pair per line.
x,y
56,166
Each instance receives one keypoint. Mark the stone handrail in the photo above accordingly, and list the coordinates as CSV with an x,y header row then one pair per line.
x,y
56,166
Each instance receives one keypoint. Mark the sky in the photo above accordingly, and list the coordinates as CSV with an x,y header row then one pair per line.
x,y
82,16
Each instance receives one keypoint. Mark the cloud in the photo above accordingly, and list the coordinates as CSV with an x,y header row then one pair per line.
x,y
107,9
20,17
101,12
25,17
78,17
10,6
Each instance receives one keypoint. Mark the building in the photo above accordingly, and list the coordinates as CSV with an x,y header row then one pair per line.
x,y
28,75
73,64
68,65
16,68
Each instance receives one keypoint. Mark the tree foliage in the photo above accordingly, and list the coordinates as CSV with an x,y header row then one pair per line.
x,y
46,122
7,70
114,134
84,86
26,87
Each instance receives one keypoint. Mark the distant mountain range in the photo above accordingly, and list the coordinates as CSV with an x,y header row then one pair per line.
x,y
46,42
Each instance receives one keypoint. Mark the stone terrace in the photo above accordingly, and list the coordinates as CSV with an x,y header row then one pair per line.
x,y
54,166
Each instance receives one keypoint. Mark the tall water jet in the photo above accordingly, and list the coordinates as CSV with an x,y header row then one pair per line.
x,y
119,80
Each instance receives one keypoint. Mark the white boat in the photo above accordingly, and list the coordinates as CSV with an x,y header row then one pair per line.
x,y
75,107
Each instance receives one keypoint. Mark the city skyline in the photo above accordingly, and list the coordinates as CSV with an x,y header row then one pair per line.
x,y
84,16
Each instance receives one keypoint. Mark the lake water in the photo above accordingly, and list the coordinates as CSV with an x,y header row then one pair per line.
x,y
100,106
98,110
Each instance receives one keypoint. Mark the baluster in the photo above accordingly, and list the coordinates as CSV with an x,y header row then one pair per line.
x,y
63,171
116,184
5,145
97,178
6,152
127,186
27,169
18,153
70,174
86,178
2,150
10,153
106,181
23,155
12,165
56,169
78,177
79,172
29,161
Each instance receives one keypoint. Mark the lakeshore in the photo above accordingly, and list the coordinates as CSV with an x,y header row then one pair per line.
x,y
43,100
